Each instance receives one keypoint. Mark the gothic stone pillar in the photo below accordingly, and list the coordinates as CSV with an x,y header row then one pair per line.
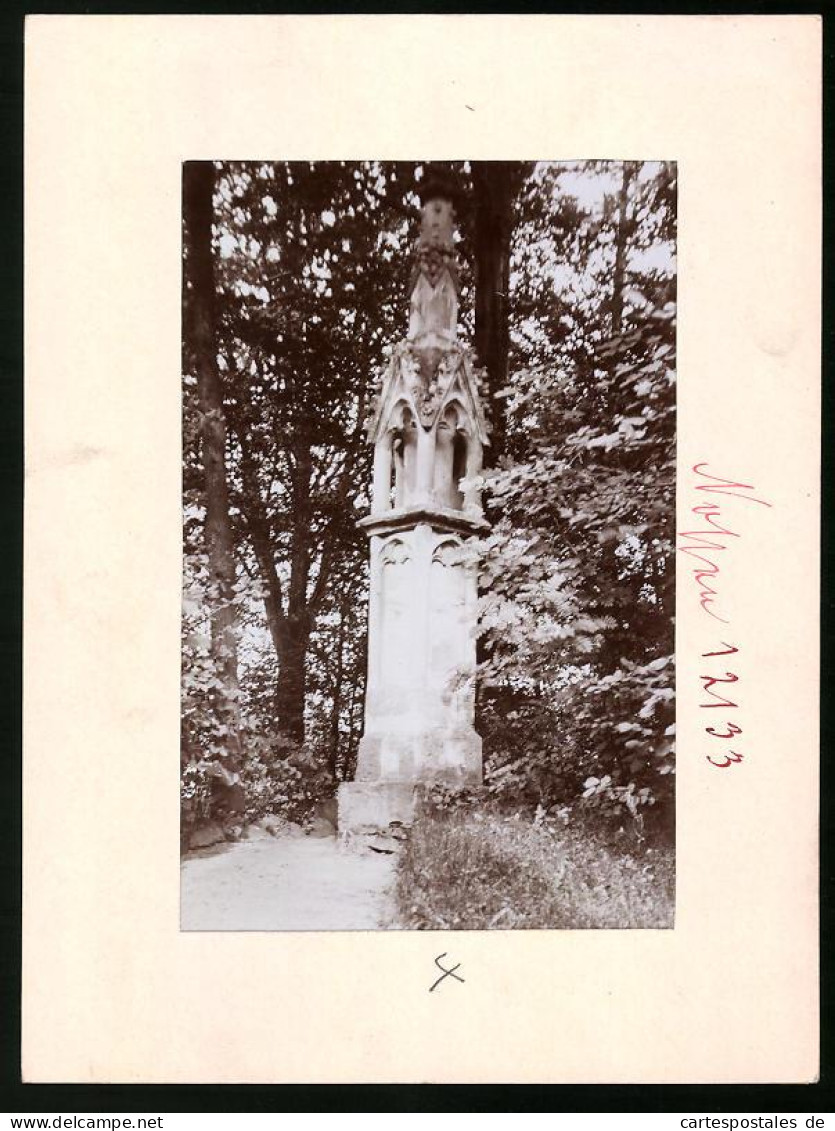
x,y
428,431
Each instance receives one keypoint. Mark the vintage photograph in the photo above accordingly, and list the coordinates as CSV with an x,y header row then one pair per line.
x,y
429,456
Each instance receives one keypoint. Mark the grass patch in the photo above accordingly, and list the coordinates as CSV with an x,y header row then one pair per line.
x,y
476,871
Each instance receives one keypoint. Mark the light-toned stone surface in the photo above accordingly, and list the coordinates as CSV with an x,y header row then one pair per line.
x,y
428,388
372,806
424,754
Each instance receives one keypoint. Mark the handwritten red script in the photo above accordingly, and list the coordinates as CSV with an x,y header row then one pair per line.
x,y
703,546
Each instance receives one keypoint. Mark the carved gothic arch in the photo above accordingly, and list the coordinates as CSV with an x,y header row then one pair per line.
x,y
395,552
443,546
462,416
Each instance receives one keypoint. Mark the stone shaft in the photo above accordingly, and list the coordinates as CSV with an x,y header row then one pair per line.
x,y
421,658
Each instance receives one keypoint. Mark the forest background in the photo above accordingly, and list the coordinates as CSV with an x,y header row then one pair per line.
x,y
295,291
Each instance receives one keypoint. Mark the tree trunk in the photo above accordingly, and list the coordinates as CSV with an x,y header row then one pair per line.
x,y
622,234
290,635
292,655
292,677
289,614
336,707
290,631
201,356
495,185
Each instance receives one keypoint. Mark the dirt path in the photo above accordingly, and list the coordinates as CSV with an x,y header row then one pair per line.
x,y
286,884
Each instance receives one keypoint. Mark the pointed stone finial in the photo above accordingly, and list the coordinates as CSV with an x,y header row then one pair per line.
x,y
435,284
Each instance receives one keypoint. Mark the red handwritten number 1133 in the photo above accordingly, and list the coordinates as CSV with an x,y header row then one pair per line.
x,y
731,730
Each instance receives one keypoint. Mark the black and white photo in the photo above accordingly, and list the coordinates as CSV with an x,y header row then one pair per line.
x,y
428,500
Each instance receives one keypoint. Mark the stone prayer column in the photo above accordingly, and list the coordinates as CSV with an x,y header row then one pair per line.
x,y
428,430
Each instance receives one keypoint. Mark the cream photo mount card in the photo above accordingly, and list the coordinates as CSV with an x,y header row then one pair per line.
x,y
113,989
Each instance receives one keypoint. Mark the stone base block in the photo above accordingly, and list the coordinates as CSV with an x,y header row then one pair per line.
x,y
371,808
429,754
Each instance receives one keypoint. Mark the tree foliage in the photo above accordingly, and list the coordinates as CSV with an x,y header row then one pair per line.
x,y
578,570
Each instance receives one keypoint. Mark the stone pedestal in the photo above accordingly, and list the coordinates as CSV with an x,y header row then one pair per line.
x,y
421,663
374,808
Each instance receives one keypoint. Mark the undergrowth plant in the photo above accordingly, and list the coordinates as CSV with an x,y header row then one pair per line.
x,y
464,869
